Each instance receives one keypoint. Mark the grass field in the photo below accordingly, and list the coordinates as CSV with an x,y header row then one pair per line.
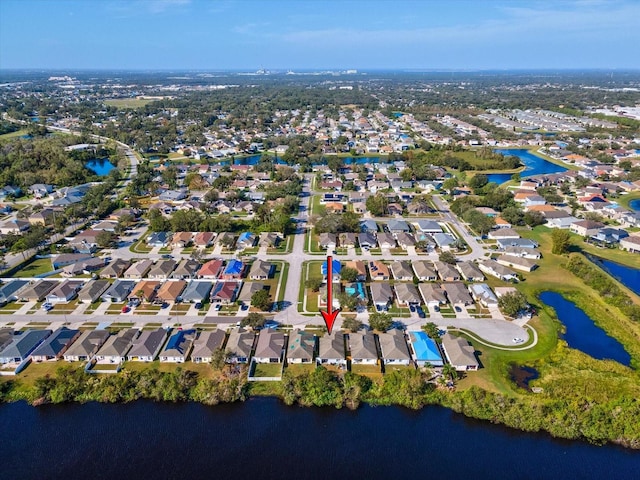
x,y
17,133
36,267
267,370
624,200
127,102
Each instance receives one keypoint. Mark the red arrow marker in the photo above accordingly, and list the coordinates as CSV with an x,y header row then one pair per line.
x,y
330,315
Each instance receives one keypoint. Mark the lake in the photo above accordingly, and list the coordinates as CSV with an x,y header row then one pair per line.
x,y
582,333
628,276
635,205
264,439
534,165
101,166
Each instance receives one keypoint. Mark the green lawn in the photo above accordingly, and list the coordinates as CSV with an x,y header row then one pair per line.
x,y
34,267
267,370
300,369
17,133
127,102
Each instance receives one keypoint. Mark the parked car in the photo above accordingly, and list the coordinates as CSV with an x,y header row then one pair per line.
x,y
412,308
126,309
421,313
198,305
47,306
164,305
458,309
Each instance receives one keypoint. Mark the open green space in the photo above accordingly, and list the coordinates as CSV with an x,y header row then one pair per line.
x,y
267,370
34,267
127,102
17,133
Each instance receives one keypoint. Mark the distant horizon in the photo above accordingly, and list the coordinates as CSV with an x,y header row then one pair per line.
x,y
239,35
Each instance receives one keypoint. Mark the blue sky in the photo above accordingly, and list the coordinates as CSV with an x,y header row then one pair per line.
x,y
315,34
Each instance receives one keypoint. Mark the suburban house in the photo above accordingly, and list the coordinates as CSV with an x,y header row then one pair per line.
x,y
586,228
65,259
631,244
246,240
301,347
92,291
367,240
55,345
162,269
432,294
393,347
336,268
86,346
457,293
36,291
186,269
260,270
115,269
531,253
378,270
65,291
402,271
386,240
503,233
405,240
138,269
406,293
9,289
381,295
119,291
146,290
233,270
493,268
358,266
516,242
239,345
22,345
444,241
459,353
519,263
226,239
83,267
159,239
327,241
207,343
482,293
363,348
397,226
348,240
115,348
224,292
470,272
178,346
428,226
368,226
270,347
269,239
210,269
424,270
181,239
248,289
425,350
196,291
331,350
170,291
447,273
146,347
203,239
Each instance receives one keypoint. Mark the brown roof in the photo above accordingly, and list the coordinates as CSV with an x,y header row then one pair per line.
x,y
147,288
171,290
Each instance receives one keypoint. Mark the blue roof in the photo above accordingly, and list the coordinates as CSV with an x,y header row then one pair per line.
x,y
175,341
424,347
245,236
234,267
335,267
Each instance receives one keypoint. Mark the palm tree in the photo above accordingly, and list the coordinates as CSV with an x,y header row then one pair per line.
x,y
449,370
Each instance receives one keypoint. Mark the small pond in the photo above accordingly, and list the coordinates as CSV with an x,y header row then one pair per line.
x,y
521,375
101,166
628,276
582,333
